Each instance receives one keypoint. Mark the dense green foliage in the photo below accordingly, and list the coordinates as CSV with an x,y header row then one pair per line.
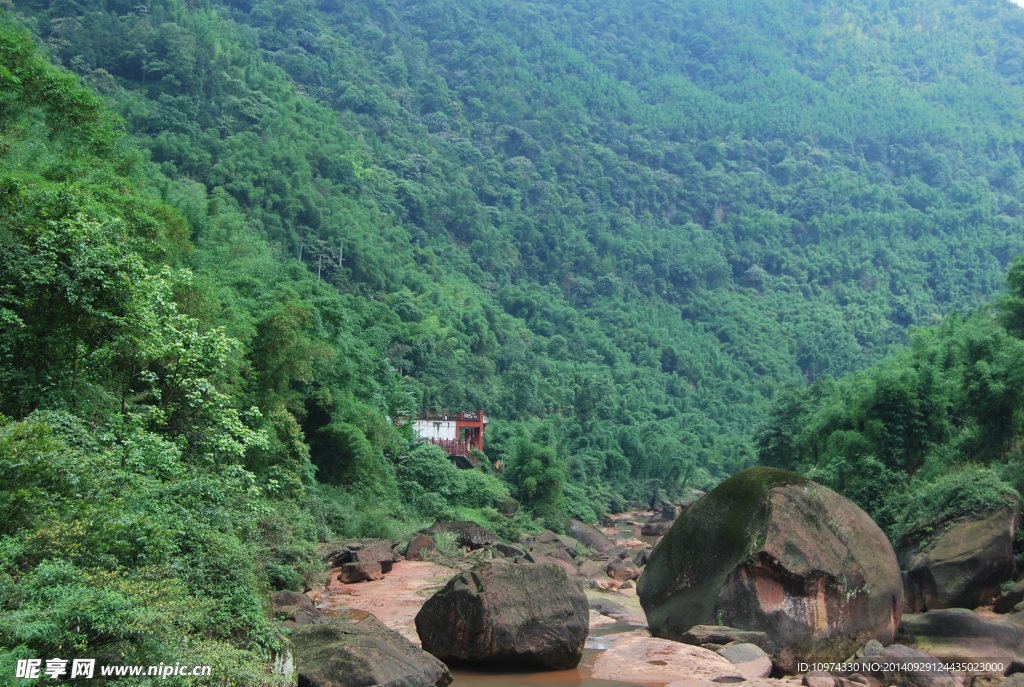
x,y
931,434
634,222
622,229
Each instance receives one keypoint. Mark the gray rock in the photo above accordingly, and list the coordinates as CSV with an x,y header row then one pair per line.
x,y
701,635
503,613
589,536
354,649
509,551
1008,600
467,534
750,660
964,564
896,655
958,633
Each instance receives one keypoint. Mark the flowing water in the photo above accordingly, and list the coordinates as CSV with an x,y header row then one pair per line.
x,y
600,639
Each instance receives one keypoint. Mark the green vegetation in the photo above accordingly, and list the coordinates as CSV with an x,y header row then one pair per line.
x,y
632,242
930,435
625,230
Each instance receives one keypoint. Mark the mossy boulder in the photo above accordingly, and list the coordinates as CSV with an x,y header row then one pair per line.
x,y
771,551
960,564
354,649
506,613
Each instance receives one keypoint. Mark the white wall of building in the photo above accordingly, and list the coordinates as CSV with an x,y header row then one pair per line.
x,y
434,429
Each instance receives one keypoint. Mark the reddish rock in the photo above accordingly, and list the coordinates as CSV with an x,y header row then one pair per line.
x,y
622,570
419,545
641,658
552,560
818,678
360,572
771,551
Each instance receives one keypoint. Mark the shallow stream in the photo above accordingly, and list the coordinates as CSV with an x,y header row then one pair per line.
x,y
600,639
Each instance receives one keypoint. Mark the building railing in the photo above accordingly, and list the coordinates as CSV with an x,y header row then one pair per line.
x,y
454,447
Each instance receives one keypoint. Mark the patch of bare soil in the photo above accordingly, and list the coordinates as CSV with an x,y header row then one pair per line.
x,y
395,599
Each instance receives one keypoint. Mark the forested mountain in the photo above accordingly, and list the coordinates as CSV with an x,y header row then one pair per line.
x,y
633,223
622,229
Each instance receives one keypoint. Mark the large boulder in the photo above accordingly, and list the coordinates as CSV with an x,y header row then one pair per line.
x,y
963,565
771,551
505,613
589,536
548,543
354,649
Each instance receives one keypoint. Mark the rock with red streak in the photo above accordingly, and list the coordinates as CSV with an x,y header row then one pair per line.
x,y
502,613
771,551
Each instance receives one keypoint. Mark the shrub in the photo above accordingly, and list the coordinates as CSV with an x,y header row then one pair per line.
x,y
951,497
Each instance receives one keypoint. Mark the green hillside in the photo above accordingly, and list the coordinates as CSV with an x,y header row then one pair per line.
x,y
250,238
633,223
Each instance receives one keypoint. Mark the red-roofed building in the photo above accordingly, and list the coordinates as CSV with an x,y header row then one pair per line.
x,y
455,432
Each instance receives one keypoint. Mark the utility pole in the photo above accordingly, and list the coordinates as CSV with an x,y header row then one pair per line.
x,y
319,262
341,254
301,246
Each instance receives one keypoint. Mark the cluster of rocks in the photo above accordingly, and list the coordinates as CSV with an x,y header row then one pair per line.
x,y
808,578
767,573
502,612
359,560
